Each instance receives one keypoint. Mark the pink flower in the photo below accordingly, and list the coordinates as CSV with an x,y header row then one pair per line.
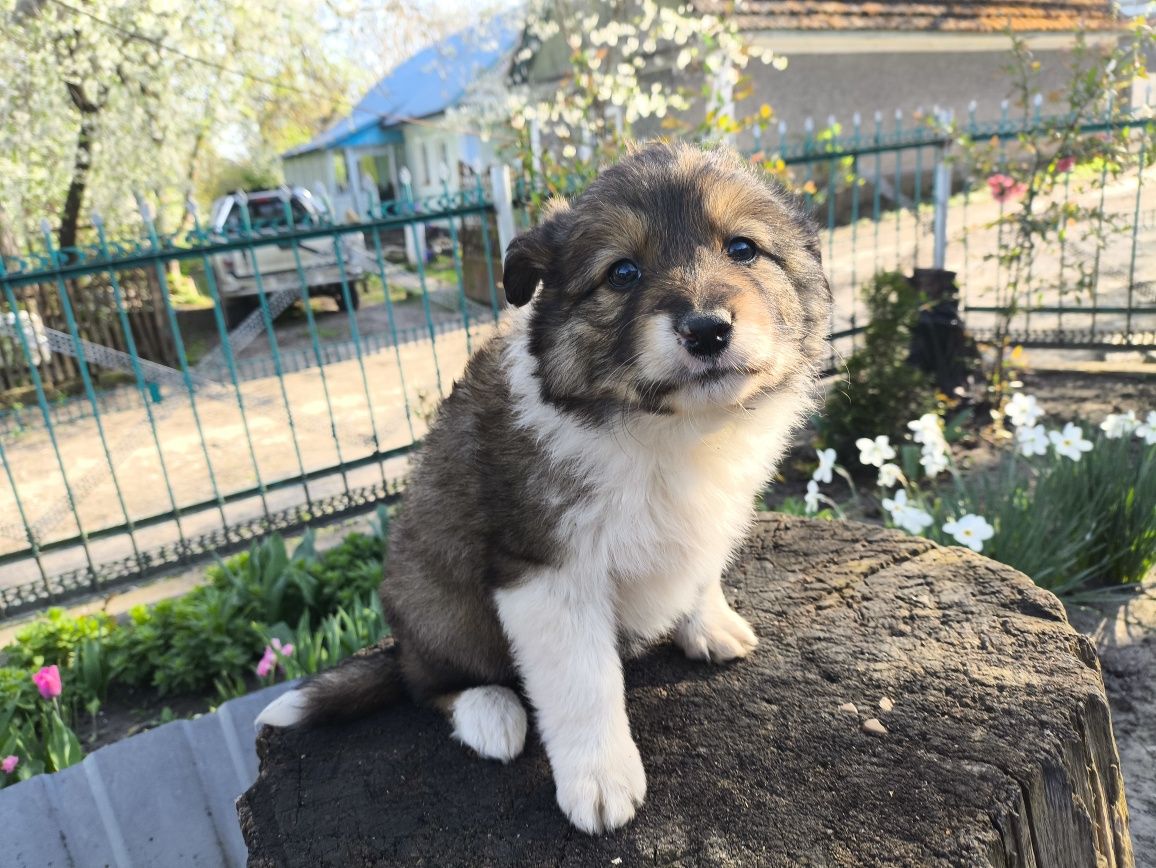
x,y
268,662
9,763
1065,165
1004,187
48,682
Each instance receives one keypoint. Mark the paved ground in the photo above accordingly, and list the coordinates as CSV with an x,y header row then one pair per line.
x,y
316,418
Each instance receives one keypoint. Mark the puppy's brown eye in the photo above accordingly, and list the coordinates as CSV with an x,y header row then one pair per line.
x,y
742,250
623,274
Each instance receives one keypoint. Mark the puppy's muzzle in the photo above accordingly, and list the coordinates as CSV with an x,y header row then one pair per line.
x,y
705,334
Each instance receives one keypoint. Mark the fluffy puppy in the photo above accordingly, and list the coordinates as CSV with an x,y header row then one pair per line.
x,y
590,475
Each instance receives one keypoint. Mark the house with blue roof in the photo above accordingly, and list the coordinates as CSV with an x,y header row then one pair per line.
x,y
400,124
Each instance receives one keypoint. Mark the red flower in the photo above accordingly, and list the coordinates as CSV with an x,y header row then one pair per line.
x,y
1004,187
1065,165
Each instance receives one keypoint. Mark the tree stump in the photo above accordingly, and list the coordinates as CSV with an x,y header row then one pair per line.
x,y
908,705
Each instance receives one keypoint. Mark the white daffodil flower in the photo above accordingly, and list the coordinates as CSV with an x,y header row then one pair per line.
x,y
889,475
811,498
1032,440
934,462
971,530
1117,425
1023,410
1147,429
925,429
911,518
1070,442
826,465
875,453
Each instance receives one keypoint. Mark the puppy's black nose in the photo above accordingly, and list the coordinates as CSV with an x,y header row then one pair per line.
x,y
705,334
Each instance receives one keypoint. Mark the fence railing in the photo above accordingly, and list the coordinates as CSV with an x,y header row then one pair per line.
x,y
138,432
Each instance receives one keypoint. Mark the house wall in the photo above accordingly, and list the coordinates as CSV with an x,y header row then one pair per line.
x,y
312,171
895,74
427,147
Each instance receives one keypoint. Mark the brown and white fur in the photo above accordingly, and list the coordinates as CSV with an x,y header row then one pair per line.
x,y
587,480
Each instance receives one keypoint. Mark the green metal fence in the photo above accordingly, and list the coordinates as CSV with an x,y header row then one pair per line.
x,y
123,456
136,434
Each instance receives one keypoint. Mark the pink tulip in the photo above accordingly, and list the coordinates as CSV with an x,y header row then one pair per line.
x,y
8,764
48,682
268,662
1004,187
1065,165
285,650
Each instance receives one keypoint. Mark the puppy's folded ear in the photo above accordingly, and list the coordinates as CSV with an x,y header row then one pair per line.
x,y
531,255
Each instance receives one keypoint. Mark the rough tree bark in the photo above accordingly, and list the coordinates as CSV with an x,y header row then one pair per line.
x,y
980,735
81,165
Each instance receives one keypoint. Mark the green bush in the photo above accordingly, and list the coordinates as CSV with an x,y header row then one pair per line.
x,y
881,392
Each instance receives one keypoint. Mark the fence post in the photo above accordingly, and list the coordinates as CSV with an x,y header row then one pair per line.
x,y
415,246
501,183
941,192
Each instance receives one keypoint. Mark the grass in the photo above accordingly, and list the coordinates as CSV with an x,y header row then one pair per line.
x,y
374,292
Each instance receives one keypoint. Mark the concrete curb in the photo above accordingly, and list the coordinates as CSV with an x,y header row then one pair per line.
x,y
164,797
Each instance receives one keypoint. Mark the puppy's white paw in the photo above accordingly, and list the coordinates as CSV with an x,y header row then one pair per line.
x,y
716,634
491,721
603,795
287,709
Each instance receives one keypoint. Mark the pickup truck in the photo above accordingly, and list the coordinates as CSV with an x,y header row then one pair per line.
x,y
272,257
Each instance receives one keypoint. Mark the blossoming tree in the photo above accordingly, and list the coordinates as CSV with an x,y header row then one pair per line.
x,y
107,98
588,75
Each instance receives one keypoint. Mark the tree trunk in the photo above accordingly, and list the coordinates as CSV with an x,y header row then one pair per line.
x,y
909,705
81,166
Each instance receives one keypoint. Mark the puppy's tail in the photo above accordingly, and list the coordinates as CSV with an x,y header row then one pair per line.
x,y
368,680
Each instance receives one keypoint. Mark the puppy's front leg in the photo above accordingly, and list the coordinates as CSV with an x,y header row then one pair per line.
x,y
563,633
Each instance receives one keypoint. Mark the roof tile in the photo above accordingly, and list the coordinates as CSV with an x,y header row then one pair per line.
x,y
955,16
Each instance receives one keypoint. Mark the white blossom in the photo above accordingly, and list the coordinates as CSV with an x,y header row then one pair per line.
x,y
926,429
811,498
1023,410
1032,440
1147,429
889,476
911,518
934,462
875,453
1070,442
1118,425
826,465
971,530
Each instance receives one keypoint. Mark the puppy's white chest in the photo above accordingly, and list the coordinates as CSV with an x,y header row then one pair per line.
x,y
661,519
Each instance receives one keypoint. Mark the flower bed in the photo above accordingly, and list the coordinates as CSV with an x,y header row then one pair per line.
x,y
262,615
1072,507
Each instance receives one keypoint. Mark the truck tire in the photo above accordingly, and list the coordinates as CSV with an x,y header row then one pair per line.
x,y
354,297
239,307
